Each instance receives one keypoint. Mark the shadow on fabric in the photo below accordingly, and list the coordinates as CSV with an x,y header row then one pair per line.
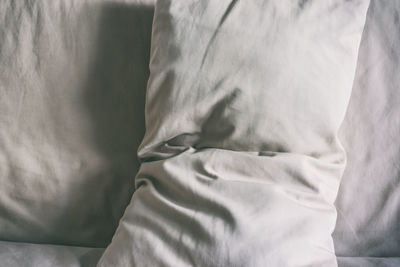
x,y
115,97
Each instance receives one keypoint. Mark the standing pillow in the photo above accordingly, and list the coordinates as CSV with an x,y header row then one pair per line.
x,y
241,161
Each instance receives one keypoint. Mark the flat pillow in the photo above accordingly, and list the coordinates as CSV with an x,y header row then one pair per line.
x,y
241,161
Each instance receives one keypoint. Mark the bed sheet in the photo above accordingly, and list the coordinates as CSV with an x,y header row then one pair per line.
x,y
368,262
35,255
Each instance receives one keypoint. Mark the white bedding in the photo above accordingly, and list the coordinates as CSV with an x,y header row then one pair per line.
x,y
241,162
72,81
28,255
368,204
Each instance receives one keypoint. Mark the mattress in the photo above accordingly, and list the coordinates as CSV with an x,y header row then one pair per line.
x,y
73,77
28,254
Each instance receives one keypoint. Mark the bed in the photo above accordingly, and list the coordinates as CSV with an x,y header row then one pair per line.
x,y
73,77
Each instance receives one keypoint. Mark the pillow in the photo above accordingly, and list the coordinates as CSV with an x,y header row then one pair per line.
x,y
71,118
241,161
368,202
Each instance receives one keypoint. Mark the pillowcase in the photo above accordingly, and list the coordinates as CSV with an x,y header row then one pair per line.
x,y
241,161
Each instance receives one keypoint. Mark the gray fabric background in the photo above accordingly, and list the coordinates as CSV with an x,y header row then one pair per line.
x,y
72,81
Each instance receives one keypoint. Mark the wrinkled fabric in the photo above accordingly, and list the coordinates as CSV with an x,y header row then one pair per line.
x,y
369,261
72,80
241,160
44,50
28,255
369,197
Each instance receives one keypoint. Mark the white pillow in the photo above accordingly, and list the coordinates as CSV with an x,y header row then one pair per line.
x,y
241,162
